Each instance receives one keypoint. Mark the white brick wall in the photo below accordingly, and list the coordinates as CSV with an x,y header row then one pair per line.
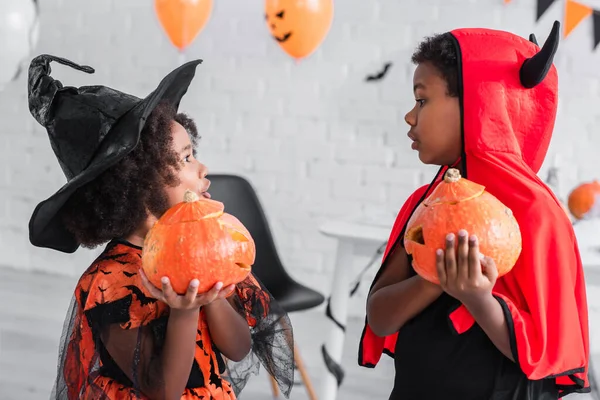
x,y
314,138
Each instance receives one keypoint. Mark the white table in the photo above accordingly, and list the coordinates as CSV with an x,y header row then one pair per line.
x,y
353,238
364,237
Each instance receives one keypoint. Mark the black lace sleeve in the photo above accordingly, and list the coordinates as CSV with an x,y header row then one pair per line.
x,y
272,338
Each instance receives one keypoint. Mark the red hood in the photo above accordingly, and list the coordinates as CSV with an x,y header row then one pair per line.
x,y
499,116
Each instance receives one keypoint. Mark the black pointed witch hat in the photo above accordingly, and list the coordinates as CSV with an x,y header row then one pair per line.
x,y
91,128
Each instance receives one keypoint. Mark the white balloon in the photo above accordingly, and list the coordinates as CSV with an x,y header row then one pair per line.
x,y
19,33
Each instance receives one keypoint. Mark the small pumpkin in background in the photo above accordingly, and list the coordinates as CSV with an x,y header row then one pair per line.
x,y
584,200
455,204
196,239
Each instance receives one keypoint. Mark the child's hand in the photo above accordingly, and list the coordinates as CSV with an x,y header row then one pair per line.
x,y
460,271
191,299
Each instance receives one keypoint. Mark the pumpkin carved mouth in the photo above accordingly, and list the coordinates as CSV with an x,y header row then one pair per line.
x,y
243,266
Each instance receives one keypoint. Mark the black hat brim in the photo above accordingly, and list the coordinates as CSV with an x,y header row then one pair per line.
x,y
46,228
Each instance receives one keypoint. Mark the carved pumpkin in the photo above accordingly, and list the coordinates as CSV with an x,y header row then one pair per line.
x,y
455,204
584,200
197,239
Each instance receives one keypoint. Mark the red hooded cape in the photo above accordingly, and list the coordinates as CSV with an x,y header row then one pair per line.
x,y
506,132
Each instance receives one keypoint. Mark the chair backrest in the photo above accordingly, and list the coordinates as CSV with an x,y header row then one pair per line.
x,y
241,201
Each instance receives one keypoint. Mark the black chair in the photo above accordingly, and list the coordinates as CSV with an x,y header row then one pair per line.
x,y
241,200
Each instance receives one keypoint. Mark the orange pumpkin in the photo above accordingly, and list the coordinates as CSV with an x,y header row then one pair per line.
x,y
197,239
584,200
455,204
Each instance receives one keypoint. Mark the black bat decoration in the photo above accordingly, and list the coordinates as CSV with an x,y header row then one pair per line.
x,y
379,75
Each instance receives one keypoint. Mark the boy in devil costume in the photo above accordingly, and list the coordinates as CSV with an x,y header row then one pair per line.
x,y
486,103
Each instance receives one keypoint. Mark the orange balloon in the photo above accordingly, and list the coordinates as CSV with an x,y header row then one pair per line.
x,y
183,20
299,26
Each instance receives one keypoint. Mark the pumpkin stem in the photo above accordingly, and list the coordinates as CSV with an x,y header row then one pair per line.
x,y
190,197
452,175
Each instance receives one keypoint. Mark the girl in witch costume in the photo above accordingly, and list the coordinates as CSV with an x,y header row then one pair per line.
x,y
127,160
486,103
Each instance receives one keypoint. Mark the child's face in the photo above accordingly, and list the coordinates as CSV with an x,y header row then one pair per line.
x,y
192,173
435,119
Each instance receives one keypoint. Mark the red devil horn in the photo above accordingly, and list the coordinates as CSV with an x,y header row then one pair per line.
x,y
534,69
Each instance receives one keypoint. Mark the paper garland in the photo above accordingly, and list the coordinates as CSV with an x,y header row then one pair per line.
x,y
575,13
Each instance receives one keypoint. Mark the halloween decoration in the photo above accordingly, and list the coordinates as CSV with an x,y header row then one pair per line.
x,y
299,26
455,204
584,200
596,23
19,34
196,239
575,13
541,7
183,20
379,75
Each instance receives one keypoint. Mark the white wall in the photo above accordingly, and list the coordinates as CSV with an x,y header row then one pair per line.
x,y
315,139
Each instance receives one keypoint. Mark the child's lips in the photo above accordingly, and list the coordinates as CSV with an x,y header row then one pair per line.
x,y
206,195
414,145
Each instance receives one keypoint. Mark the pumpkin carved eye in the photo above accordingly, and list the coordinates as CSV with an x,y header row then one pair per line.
x,y
416,235
280,14
234,233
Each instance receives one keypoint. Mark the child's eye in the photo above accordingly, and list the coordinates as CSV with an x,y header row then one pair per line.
x,y
187,158
420,101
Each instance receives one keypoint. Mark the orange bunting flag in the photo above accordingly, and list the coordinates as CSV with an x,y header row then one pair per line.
x,y
575,13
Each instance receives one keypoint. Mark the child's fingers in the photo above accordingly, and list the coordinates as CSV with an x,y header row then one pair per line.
x,y
450,261
226,292
167,291
489,269
463,256
440,265
474,259
154,291
192,291
212,294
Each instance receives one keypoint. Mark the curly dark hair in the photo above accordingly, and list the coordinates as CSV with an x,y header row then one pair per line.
x,y
116,203
440,51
